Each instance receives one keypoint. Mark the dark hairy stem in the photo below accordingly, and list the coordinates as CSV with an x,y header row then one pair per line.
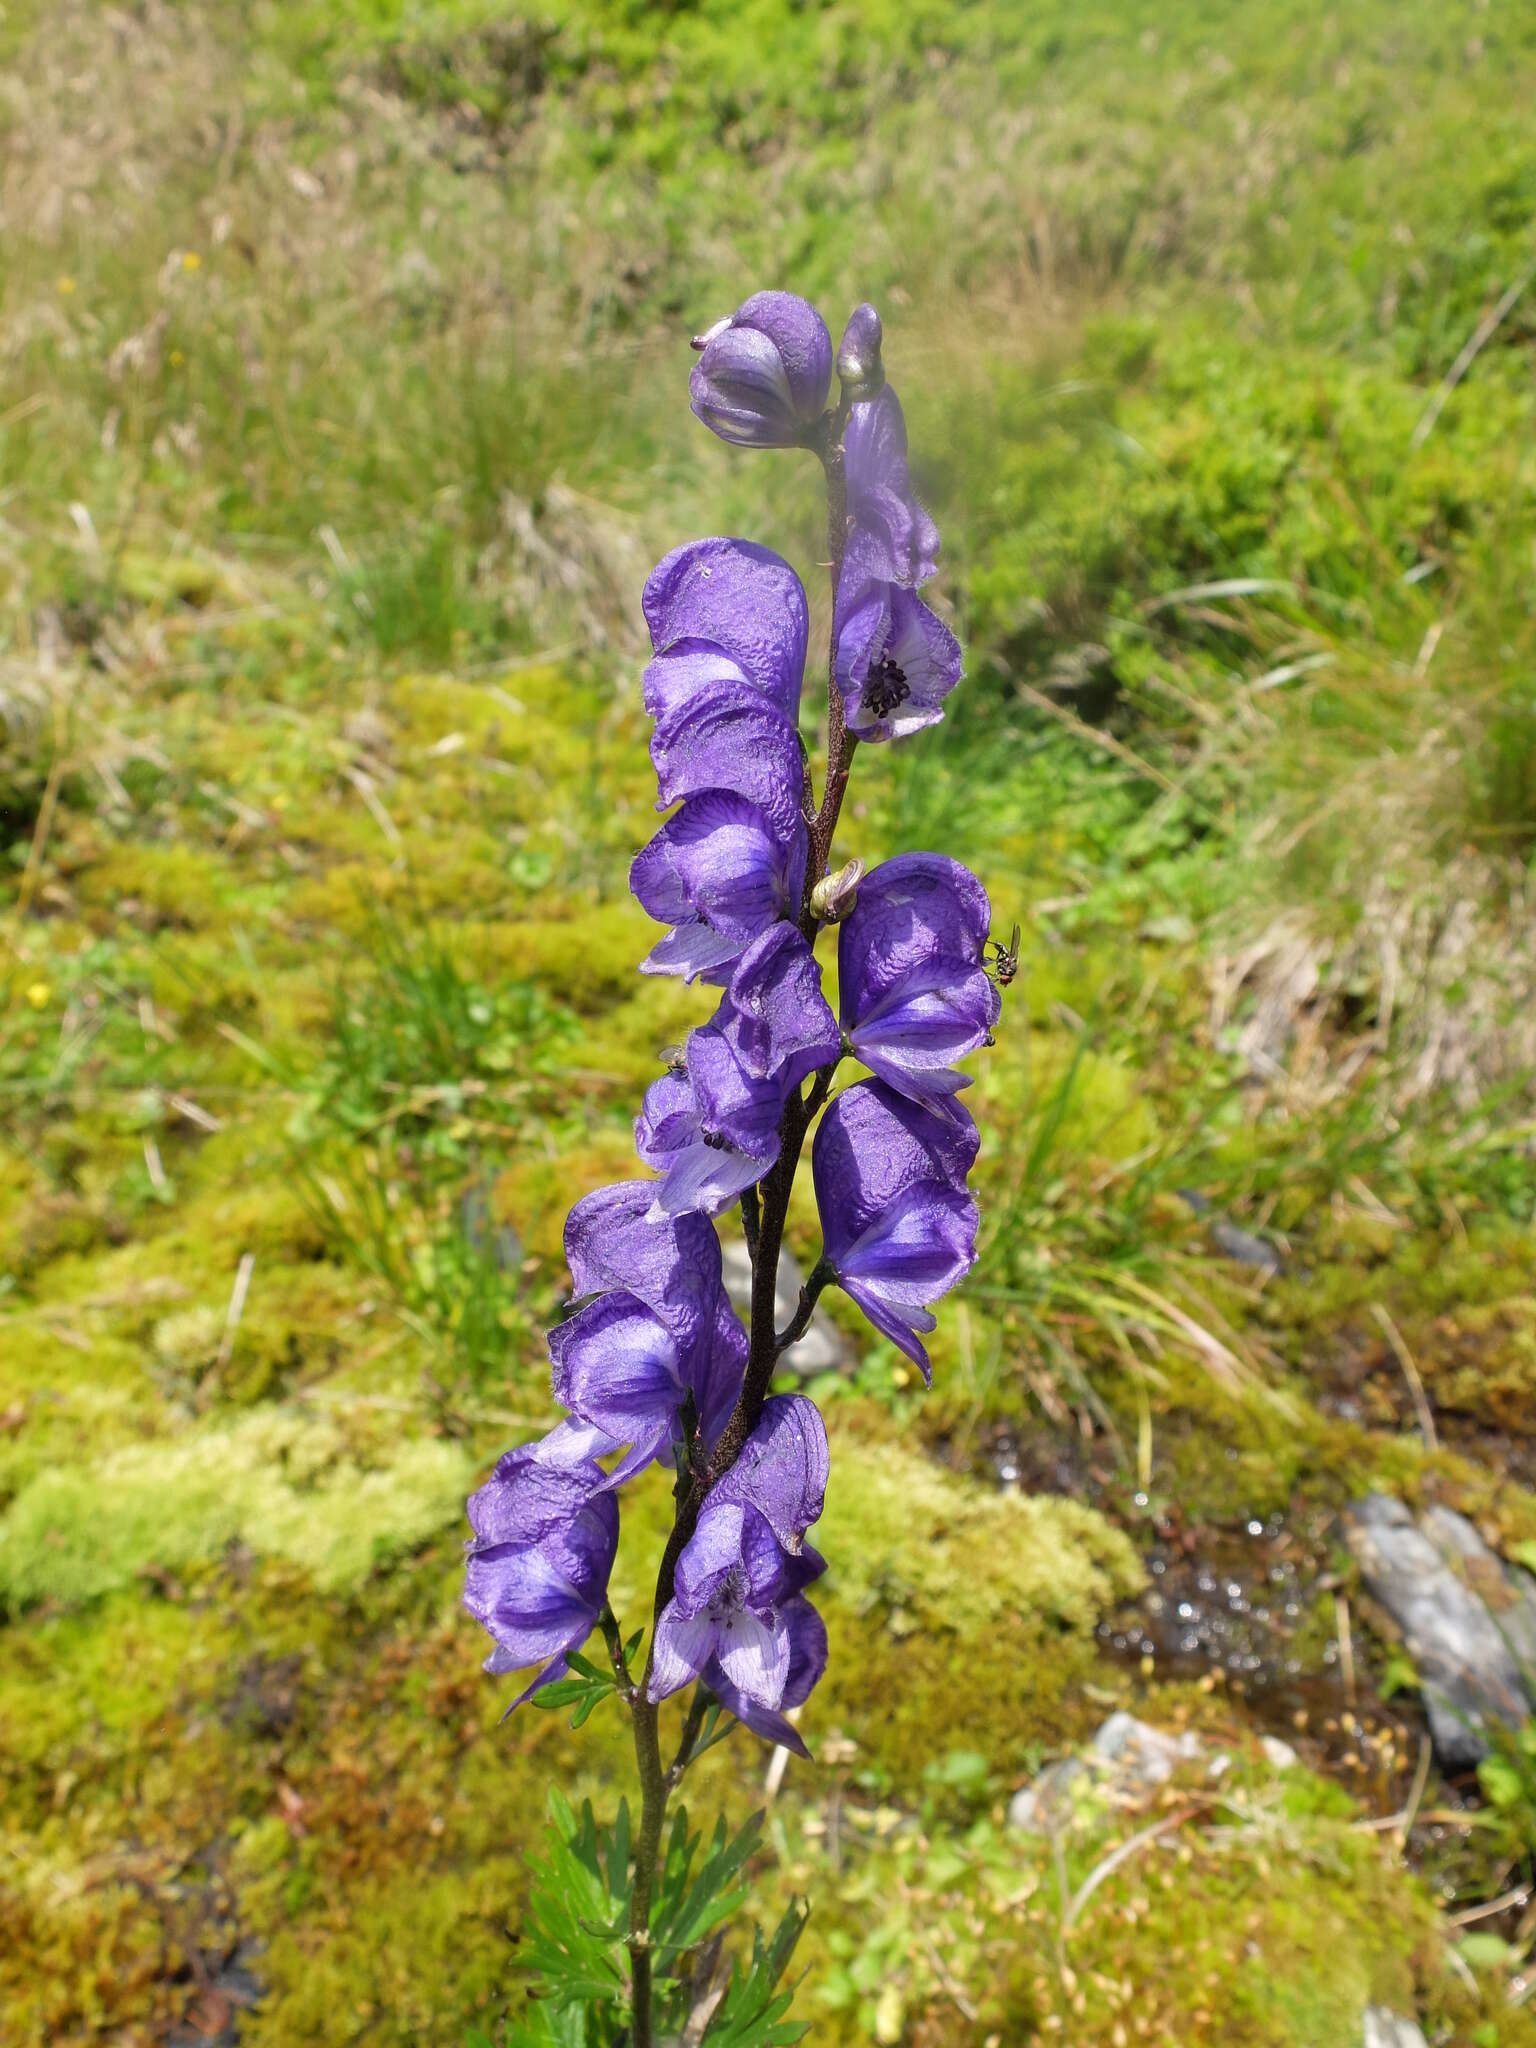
x,y
763,1212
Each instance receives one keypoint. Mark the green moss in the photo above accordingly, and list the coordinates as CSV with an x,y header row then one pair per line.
x,y
287,1485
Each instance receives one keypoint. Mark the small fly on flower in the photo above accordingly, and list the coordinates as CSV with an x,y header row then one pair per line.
x,y
674,1058
1005,959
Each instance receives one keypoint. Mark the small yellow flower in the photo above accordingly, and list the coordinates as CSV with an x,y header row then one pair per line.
x,y
66,287
191,260
176,359
38,995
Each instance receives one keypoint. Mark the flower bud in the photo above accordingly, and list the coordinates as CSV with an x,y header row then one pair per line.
x,y
835,895
762,375
858,354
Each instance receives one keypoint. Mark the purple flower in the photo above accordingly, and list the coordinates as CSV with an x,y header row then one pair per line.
x,y
725,610
746,1563
807,1634
895,660
718,874
713,1129
897,1225
783,1468
729,1580
661,1328
623,1375
536,1576
762,378
899,542
913,993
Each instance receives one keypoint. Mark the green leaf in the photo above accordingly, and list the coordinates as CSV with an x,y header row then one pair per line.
x,y
1524,1552
753,2012
1501,1781
1484,1951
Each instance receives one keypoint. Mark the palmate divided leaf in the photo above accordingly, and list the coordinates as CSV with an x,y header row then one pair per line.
x,y
654,1361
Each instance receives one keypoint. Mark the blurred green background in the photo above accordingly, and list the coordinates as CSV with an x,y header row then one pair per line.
x,y
342,412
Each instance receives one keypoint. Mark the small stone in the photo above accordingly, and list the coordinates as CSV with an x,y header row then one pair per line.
x,y
1385,2029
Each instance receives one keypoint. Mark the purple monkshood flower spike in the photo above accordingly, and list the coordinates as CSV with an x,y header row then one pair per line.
x,y
725,610
912,990
898,1228
901,542
762,378
538,1563
746,1563
712,1131
895,661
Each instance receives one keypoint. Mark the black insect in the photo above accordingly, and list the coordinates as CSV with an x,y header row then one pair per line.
x,y
1005,959
674,1058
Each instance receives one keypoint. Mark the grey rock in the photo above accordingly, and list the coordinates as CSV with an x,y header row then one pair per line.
x,y
1040,1807
821,1349
1141,1753
1131,1757
1506,1591
1426,1577
1385,2029
1243,1248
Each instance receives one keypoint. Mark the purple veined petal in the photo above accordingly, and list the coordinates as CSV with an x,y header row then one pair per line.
x,y
895,662
800,336
694,952
921,1247
702,1170
534,1490
668,1122
730,737
882,506
718,859
807,1661
716,1372
705,1180
689,668
780,1024
871,1145
684,1644
753,1652
737,597
524,1597
782,1470
611,1242
910,911
616,1367
737,1109
712,1554
911,1036
575,1443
